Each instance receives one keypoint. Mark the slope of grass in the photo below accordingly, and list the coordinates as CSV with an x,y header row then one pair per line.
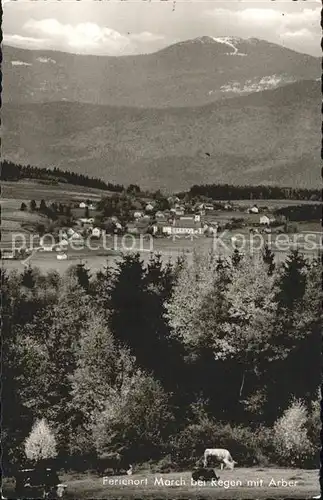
x,y
26,190
251,483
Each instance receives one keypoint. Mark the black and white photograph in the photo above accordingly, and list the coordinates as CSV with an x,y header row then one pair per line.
x,y
161,249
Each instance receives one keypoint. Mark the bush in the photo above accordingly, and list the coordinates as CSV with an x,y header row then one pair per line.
x,y
291,441
247,446
314,425
165,465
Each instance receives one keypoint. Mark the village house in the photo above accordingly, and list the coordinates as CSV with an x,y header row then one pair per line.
x,y
84,220
266,220
6,254
61,256
179,227
160,215
149,207
211,228
118,226
173,199
96,232
254,210
138,214
191,217
47,247
89,205
206,206
76,236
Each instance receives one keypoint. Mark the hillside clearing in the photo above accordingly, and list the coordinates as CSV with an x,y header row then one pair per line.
x,y
32,190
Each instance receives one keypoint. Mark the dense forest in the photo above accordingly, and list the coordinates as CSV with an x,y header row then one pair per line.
x,y
229,192
13,172
156,362
312,212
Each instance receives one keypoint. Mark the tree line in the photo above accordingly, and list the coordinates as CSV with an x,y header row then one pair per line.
x,y
312,212
158,361
11,171
230,192
14,172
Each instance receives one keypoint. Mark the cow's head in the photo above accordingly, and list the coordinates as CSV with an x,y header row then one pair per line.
x,y
60,490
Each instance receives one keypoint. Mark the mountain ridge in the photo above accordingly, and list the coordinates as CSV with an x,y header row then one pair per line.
x,y
202,38
182,74
269,137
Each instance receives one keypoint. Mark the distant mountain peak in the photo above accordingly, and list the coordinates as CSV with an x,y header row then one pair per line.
x,y
198,40
202,39
228,39
231,42
211,40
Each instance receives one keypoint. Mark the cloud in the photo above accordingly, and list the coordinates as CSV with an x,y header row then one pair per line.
x,y
145,36
25,41
300,34
277,25
84,37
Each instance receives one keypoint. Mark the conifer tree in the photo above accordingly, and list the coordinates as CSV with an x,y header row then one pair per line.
x,y
269,259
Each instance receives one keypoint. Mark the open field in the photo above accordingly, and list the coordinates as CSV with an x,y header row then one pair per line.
x,y
97,259
244,483
64,193
16,221
109,249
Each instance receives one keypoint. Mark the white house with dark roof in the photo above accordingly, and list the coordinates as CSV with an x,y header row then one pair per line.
x,y
179,227
266,219
254,209
96,232
149,207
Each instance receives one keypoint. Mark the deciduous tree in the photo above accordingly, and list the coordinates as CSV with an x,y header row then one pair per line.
x,y
41,443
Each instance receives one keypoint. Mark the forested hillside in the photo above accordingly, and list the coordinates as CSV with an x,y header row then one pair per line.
x,y
154,362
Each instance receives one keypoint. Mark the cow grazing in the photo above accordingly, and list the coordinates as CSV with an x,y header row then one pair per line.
x,y
221,455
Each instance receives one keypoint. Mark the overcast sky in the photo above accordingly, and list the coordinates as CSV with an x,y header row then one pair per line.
x,y
119,28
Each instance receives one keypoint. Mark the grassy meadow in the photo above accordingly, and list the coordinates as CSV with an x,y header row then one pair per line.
x,y
27,190
251,483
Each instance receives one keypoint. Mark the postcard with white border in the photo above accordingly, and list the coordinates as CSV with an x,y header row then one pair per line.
x,y
161,249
